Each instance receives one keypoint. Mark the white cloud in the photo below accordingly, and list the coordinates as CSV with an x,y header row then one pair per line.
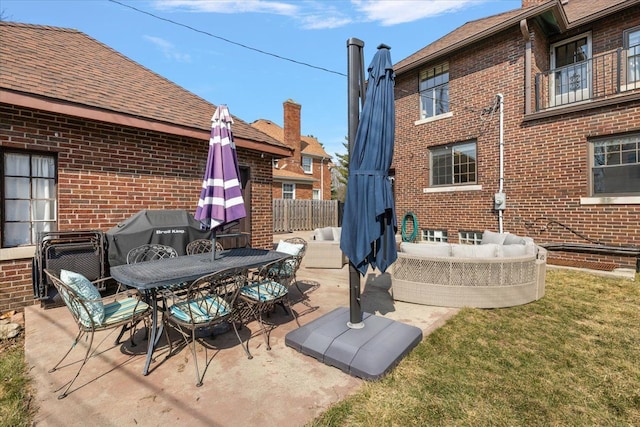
x,y
393,12
231,6
168,49
316,15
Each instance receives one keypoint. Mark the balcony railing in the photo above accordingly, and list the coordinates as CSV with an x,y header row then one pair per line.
x,y
599,77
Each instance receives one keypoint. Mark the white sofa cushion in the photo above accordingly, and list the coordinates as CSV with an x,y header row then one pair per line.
x,y
509,251
426,249
488,250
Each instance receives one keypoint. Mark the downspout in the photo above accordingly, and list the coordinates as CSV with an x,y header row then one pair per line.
x,y
322,179
526,35
502,198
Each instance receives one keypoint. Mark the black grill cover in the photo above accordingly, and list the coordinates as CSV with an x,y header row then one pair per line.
x,y
175,228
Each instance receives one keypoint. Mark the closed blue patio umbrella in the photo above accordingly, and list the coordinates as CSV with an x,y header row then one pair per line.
x,y
221,200
369,225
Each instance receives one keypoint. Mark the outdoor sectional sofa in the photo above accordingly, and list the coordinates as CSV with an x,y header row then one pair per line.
x,y
504,270
323,250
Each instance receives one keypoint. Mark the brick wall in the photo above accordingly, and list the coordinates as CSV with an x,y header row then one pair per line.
x,y
107,173
546,160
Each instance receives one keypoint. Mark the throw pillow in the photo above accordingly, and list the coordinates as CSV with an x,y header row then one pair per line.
x,y
336,233
89,293
492,237
512,239
289,248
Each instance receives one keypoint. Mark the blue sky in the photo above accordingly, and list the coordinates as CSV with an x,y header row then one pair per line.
x,y
192,52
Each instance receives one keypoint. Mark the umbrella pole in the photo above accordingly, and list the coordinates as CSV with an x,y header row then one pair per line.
x,y
355,310
355,96
213,246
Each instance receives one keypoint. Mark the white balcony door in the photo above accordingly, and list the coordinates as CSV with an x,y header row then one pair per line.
x,y
572,76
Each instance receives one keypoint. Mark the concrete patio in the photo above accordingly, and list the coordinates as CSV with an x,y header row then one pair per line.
x,y
279,387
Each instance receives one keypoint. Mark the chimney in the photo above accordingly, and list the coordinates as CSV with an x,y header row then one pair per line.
x,y
292,131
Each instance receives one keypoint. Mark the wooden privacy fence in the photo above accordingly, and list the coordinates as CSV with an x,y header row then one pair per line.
x,y
296,215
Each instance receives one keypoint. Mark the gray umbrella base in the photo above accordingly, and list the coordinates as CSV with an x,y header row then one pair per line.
x,y
367,353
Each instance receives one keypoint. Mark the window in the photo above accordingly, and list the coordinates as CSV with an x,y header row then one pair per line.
x,y
316,194
570,62
430,235
434,91
288,191
470,237
632,44
615,166
307,164
453,164
274,163
28,197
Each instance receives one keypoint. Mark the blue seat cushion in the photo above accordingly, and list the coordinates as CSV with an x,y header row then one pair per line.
x,y
201,310
266,290
123,309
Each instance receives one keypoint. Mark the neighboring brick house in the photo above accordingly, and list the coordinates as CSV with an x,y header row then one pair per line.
x,y
97,138
569,76
306,174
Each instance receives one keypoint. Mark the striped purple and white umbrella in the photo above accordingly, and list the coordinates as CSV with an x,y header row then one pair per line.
x,y
221,199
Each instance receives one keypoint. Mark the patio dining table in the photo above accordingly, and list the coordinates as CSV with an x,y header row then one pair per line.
x,y
149,276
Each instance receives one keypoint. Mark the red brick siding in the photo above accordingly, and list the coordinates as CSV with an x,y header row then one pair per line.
x,y
545,165
107,173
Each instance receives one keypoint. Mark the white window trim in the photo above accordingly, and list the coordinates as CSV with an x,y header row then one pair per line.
x,y
310,171
20,252
474,187
293,191
315,191
433,119
618,200
552,62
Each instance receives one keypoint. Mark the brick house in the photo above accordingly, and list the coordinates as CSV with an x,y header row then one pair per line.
x,y
306,174
98,137
527,122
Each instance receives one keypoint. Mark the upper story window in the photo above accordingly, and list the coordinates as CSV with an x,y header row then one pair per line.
x,y
434,91
29,203
632,45
453,164
288,190
571,70
615,166
307,164
274,163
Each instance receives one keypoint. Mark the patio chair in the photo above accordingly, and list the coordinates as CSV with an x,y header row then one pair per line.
x,y
200,246
152,252
264,289
297,247
205,303
93,313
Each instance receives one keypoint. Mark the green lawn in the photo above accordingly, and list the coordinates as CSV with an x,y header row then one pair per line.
x,y
570,359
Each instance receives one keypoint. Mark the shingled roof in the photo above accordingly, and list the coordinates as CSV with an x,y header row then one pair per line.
x,y
567,15
64,69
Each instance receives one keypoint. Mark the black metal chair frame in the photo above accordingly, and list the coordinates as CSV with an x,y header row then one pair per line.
x,y
262,293
200,246
205,303
77,305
